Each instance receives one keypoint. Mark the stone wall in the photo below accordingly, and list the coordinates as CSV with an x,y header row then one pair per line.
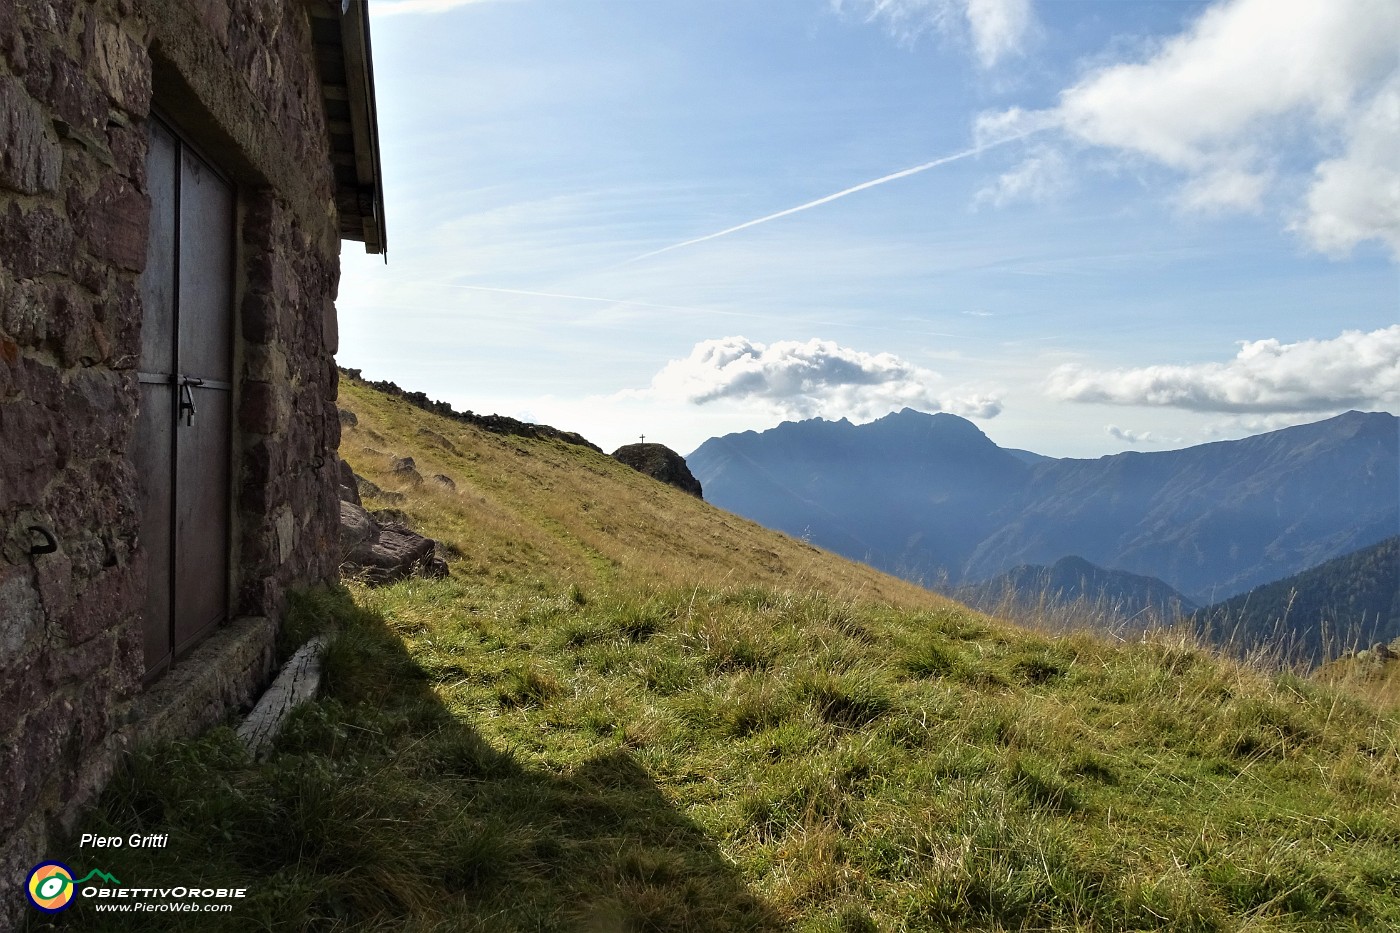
x,y
77,83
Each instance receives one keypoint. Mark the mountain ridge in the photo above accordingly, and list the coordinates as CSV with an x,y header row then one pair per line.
x,y
1348,602
1141,600
930,496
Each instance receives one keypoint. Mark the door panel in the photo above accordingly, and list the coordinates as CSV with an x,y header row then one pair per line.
x,y
201,519
206,272
185,426
206,360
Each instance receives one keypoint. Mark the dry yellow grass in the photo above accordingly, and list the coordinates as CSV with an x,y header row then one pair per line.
x,y
559,512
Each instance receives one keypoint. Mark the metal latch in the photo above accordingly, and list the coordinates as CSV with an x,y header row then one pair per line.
x,y
187,409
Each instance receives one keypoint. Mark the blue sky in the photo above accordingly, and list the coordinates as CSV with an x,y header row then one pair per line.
x,y
1090,226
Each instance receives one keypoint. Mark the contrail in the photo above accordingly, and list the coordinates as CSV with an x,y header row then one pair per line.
x,y
975,150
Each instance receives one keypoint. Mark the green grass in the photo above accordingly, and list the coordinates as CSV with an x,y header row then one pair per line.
x,y
616,746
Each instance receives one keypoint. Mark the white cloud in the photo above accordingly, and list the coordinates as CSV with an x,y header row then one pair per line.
x,y
809,379
996,28
1225,189
1353,370
1040,177
1139,438
1219,102
1128,436
1356,196
1238,426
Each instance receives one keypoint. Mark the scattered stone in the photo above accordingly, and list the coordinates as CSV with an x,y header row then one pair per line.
x,y
405,469
1382,650
348,418
365,488
438,439
444,481
371,451
379,554
661,463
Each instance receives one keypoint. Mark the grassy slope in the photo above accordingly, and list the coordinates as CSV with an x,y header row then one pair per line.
x,y
628,711
527,509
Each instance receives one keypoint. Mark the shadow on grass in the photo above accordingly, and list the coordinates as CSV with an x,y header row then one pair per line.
x,y
381,810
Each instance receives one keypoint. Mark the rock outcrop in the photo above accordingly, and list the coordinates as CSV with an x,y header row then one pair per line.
x,y
380,551
660,462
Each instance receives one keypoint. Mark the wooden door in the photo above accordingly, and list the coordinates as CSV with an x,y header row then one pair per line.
x,y
184,429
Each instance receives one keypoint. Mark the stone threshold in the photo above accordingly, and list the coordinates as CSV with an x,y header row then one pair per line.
x,y
224,673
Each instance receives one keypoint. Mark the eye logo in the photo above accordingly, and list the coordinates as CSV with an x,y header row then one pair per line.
x,y
50,887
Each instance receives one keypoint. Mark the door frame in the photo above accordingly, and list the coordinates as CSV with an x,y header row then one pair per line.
x,y
187,144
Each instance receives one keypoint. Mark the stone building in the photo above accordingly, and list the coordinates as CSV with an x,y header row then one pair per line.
x,y
175,180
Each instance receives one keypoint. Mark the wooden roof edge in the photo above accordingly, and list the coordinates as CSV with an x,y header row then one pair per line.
x,y
351,18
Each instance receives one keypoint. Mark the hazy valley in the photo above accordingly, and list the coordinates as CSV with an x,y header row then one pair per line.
x,y
932,499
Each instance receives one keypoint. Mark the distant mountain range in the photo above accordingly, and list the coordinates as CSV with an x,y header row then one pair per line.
x,y
932,498
1109,593
1343,604
1348,602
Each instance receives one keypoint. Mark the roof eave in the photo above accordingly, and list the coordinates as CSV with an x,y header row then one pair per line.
x,y
346,67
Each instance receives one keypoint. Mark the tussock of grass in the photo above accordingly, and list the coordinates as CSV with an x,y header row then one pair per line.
x,y
589,734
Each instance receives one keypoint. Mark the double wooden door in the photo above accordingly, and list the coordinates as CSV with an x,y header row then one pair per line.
x,y
184,431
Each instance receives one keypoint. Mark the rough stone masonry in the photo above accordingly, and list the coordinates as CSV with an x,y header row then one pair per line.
x,y
78,82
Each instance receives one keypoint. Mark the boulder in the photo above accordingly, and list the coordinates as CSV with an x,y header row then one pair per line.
x,y
356,527
349,483
660,462
383,553
405,469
